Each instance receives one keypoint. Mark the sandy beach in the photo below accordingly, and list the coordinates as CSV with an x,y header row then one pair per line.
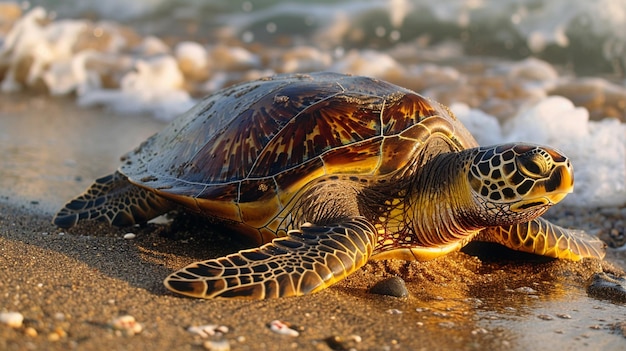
x,y
70,285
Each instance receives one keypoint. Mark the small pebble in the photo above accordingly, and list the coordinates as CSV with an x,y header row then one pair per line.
x,y
12,319
545,317
60,332
474,301
447,324
608,287
394,311
127,325
130,236
280,327
217,345
340,343
479,331
207,330
564,316
30,331
526,290
393,286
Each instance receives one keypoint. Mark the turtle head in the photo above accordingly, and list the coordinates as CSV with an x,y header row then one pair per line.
x,y
517,182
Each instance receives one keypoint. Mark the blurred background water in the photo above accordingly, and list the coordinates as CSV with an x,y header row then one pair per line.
x,y
588,36
544,71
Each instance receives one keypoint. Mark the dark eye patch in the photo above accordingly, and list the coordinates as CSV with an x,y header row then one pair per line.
x,y
525,187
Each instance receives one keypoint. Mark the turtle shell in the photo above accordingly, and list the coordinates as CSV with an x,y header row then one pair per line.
x,y
242,153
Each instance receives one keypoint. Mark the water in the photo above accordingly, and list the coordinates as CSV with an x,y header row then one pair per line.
x,y
499,64
583,34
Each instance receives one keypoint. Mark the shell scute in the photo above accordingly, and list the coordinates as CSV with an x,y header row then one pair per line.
x,y
361,158
220,192
292,180
403,110
258,201
320,127
393,152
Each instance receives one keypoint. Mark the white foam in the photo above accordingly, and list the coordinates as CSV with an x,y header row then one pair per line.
x,y
27,39
152,45
303,59
48,51
553,120
233,58
534,72
71,75
154,87
367,63
193,53
485,128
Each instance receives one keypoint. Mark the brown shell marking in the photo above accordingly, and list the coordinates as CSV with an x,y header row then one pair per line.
x,y
243,153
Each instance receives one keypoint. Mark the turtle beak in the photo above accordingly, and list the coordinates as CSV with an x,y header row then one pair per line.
x,y
560,183
550,190
556,197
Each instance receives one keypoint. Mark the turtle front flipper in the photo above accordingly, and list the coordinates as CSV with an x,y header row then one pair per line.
x,y
544,238
115,200
305,261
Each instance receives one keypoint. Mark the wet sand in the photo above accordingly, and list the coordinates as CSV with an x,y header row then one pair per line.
x,y
69,285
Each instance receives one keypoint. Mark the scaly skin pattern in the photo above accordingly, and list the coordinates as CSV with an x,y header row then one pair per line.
x,y
543,238
115,200
326,171
306,261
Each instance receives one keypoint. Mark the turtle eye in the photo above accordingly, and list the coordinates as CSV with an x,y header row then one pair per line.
x,y
533,164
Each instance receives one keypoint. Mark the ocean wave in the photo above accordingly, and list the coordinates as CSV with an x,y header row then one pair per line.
x,y
103,62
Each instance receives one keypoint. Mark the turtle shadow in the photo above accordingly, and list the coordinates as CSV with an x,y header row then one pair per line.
x,y
156,250
166,248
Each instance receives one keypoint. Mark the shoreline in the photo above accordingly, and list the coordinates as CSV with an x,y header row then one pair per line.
x,y
73,284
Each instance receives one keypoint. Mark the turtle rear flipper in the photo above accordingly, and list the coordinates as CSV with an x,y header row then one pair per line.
x,y
305,261
544,238
115,200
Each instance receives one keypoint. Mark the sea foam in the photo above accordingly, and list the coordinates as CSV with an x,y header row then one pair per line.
x,y
106,64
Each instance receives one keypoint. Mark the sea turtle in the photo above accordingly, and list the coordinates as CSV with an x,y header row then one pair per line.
x,y
327,171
